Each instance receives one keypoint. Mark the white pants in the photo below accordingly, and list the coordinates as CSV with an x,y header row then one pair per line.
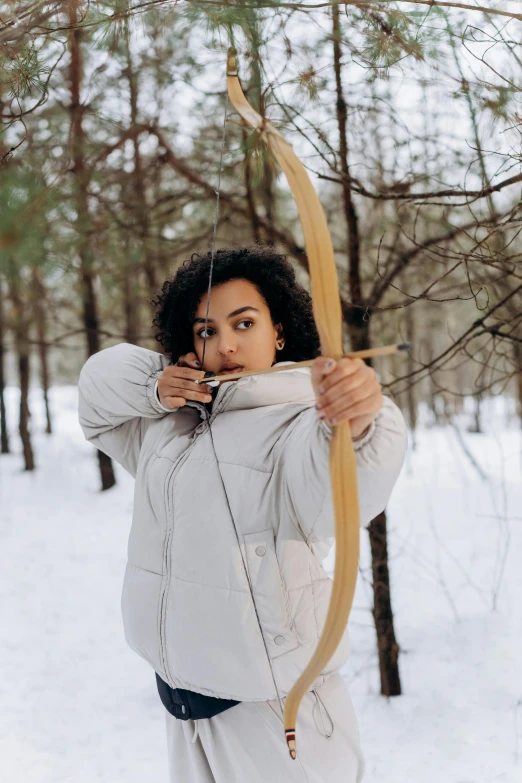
x,y
246,743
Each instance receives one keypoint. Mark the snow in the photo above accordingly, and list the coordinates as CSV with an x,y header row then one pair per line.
x,y
79,706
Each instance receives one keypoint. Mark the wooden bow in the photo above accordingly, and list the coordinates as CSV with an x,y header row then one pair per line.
x,y
328,317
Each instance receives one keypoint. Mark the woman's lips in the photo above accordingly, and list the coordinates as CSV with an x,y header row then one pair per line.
x,y
235,368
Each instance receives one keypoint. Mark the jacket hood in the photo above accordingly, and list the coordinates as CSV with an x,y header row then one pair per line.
x,y
293,386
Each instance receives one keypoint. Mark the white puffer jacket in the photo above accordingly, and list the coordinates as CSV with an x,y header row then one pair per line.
x,y
186,603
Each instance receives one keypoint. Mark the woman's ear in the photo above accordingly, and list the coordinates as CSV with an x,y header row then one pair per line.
x,y
280,340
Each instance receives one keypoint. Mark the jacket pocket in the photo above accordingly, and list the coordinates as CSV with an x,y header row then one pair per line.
x,y
270,597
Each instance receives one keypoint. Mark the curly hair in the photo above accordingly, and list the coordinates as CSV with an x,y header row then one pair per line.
x,y
272,274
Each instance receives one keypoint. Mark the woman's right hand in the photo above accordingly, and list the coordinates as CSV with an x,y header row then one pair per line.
x,y
176,383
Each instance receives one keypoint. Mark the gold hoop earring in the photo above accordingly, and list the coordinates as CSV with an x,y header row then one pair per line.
x,y
280,345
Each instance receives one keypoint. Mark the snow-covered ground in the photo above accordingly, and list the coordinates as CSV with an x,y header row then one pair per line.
x,y
77,706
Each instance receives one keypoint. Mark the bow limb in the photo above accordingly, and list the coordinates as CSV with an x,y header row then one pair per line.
x,y
343,469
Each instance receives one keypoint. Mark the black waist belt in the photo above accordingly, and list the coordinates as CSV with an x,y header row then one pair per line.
x,y
186,705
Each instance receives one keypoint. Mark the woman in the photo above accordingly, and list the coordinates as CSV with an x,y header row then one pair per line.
x,y
224,593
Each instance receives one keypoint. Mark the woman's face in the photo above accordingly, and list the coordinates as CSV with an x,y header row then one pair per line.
x,y
240,332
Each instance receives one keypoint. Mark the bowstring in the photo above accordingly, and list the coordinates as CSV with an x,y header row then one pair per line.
x,y
207,414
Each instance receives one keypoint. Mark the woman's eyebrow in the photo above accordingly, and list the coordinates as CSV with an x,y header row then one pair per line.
x,y
230,315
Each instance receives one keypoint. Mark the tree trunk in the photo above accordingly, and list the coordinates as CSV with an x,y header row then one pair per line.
x,y
410,391
21,334
449,407
382,611
256,97
517,349
477,414
83,228
41,331
138,180
358,327
23,369
130,304
250,199
360,339
4,435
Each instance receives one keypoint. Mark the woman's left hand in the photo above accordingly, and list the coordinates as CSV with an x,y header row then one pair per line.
x,y
346,390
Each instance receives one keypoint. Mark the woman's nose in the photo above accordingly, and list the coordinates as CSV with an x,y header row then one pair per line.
x,y
227,344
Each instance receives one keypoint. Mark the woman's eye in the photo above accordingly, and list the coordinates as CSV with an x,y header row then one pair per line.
x,y
205,333
246,321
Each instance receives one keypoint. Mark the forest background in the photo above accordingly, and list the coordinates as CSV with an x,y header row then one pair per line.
x,y
116,131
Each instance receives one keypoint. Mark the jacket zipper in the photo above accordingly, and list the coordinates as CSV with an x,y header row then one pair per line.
x,y
168,538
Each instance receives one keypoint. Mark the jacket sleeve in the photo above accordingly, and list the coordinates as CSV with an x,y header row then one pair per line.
x,y
306,471
117,400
